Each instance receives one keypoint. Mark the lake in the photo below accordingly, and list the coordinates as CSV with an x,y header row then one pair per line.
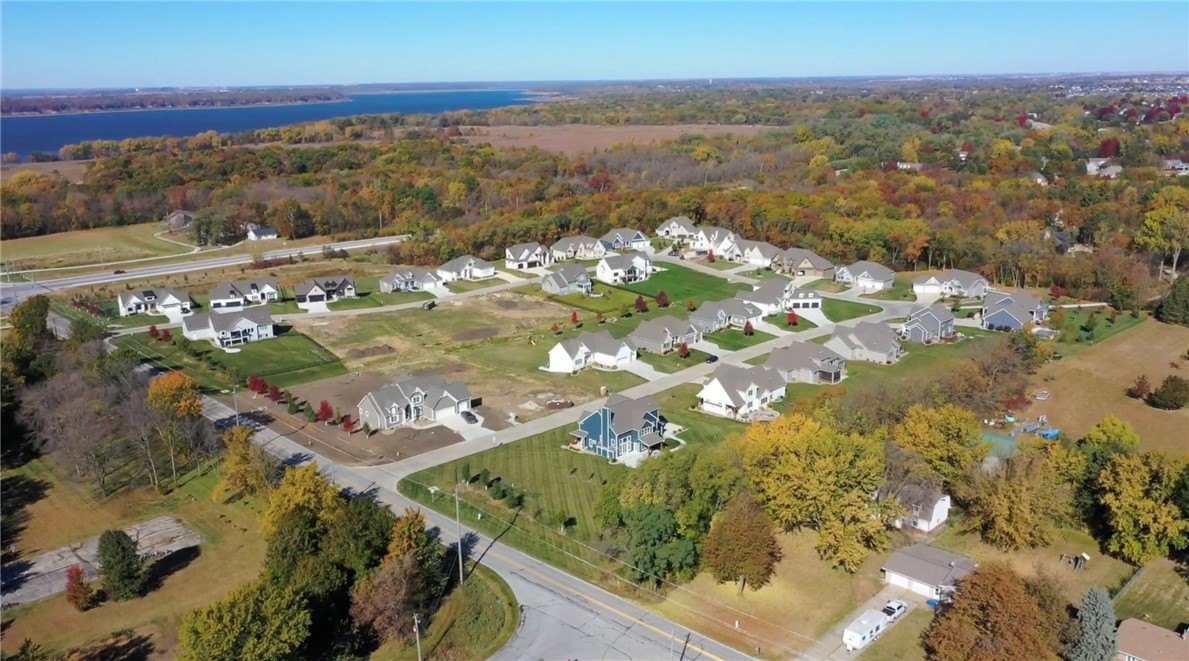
x,y
48,133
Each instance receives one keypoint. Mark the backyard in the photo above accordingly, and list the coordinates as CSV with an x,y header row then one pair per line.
x,y
1159,595
1075,337
607,300
699,427
680,284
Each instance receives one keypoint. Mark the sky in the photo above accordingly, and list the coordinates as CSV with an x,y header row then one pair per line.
x,y
130,44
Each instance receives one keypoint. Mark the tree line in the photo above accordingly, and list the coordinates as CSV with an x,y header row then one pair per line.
x,y
42,105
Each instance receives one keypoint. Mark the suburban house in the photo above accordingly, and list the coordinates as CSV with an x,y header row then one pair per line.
x,y
759,253
261,233
730,313
777,296
621,426
578,247
737,392
717,240
927,571
906,165
410,278
178,219
928,508
154,301
625,268
867,276
677,227
807,362
625,239
799,261
867,340
234,295
569,279
411,398
1141,641
466,268
527,256
599,349
954,282
925,325
1101,167
1004,311
230,329
323,290
664,334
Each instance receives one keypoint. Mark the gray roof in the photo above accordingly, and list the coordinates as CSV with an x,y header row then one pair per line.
x,y
735,380
264,230
328,283
600,342
223,322
573,243
733,307
766,249
457,264
415,273
431,385
241,288
928,565
156,293
683,221
773,292
713,231
1018,304
1141,640
567,274
798,255
628,413
624,261
524,250
802,355
870,336
659,328
963,278
876,271
937,310
623,233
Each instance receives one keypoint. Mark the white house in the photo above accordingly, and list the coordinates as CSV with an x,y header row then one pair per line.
x,y
714,316
410,278
927,571
954,282
261,233
737,392
777,296
234,295
625,268
625,239
679,228
578,247
807,362
598,349
466,268
867,276
527,256
759,253
411,398
927,508
868,341
230,329
153,301
714,239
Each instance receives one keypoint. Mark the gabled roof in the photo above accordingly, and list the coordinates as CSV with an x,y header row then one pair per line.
x,y
627,413
431,386
1149,642
773,292
937,311
457,264
930,566
659,328
565,275
573,243
218,323
964,278
765,249
876,271
802,355
156,293
737,380
798,255
524,250
732,307
414,273
624,261
327,284
1018,304
681,221
600,342
241,288
623,234
870,336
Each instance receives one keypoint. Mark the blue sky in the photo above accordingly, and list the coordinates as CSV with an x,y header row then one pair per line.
x,y
44,44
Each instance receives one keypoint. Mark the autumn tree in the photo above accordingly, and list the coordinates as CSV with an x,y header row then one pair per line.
x,y
290,219
683,350
325,412
947,437
1141,388
574,317
741,546
165,336
301,487
1165,229
641,305
120,565
347,424
261,620
153,332
748,329
1143,520
792,318
387,600
1015,505
992,617
1097,638
274,393
79,592
246,469
410,539
662,299
174,398
691,305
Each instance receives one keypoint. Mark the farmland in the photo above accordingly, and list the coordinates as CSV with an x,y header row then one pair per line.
x,y
95,246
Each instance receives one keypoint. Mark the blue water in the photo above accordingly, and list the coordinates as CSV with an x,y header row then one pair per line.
x,y
48,133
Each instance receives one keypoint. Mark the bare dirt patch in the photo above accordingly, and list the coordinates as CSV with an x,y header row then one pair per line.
x,y
371,352
1089,385
582,138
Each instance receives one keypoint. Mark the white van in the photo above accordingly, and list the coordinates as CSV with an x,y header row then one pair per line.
x,y
866,628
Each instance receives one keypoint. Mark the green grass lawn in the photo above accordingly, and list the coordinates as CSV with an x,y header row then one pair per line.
x,y
826,285
1160,595
901,291
732,340
94,246
607,299
110,319
680,283
903,641
721,264
1074,336
837,310
700,427
463,286
671,362
803,325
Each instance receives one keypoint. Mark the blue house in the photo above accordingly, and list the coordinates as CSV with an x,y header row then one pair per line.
x,y
622,426
1009,312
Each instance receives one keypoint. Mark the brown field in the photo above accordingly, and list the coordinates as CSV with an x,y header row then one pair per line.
x,y
72,170
1089,385
579,138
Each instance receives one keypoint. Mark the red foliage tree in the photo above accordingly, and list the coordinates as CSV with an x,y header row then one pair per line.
x,y
165,336
662,299
641,305
601,182
574,317
1108,148
924,113
792,321
599,317
683,350
78,590
1056,291
348,424
1022,120
325,411
274,393
153,332
710,256
748,329
967,147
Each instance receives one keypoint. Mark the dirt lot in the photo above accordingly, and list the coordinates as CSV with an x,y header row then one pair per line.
x,y
1090,384
578,138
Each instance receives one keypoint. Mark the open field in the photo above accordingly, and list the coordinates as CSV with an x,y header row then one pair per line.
x,y
680,284
1101,570
837,310
1160,595
231,553
903,641
578,139
700,427
72,170
96,246
804,600
1091,382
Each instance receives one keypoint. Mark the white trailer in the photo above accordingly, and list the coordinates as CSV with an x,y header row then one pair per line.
x,y
866,628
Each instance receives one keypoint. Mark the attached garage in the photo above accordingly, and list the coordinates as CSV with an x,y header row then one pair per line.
x,y
927,286
930,572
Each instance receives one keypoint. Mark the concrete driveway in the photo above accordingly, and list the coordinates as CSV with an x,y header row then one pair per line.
x,y
830,648
769,327
643,370
468,431
815,315
319,306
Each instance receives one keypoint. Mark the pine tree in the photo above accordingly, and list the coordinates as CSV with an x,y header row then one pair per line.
x,y
1174,307
120,565
1097,640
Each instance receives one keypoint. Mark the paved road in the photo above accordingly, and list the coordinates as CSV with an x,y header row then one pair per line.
x,y
13,293
562,617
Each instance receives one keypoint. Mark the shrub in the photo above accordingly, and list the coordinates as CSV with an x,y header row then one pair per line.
x,y
79,592
1173,394
1141,388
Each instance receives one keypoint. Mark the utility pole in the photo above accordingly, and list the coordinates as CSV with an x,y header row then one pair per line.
x,y
417,633
235,398
458,528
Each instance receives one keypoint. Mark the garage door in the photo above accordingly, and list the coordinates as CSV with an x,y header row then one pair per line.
x,y
927,289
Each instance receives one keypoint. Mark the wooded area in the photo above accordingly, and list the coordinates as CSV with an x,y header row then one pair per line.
x,y
45,105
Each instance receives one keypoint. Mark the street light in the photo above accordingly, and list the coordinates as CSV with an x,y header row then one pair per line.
x,y
235,398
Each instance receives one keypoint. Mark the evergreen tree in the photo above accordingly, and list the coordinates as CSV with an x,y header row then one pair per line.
x,y
120,565
1097,640
1174,307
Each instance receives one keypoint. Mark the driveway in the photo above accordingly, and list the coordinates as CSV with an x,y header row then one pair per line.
x,y
175,316
643,370
815,315
466,430
769,327
830,648
319,306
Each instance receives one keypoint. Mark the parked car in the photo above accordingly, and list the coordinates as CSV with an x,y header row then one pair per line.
x,y
429,305
712,358
469,417
119,271
894,609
